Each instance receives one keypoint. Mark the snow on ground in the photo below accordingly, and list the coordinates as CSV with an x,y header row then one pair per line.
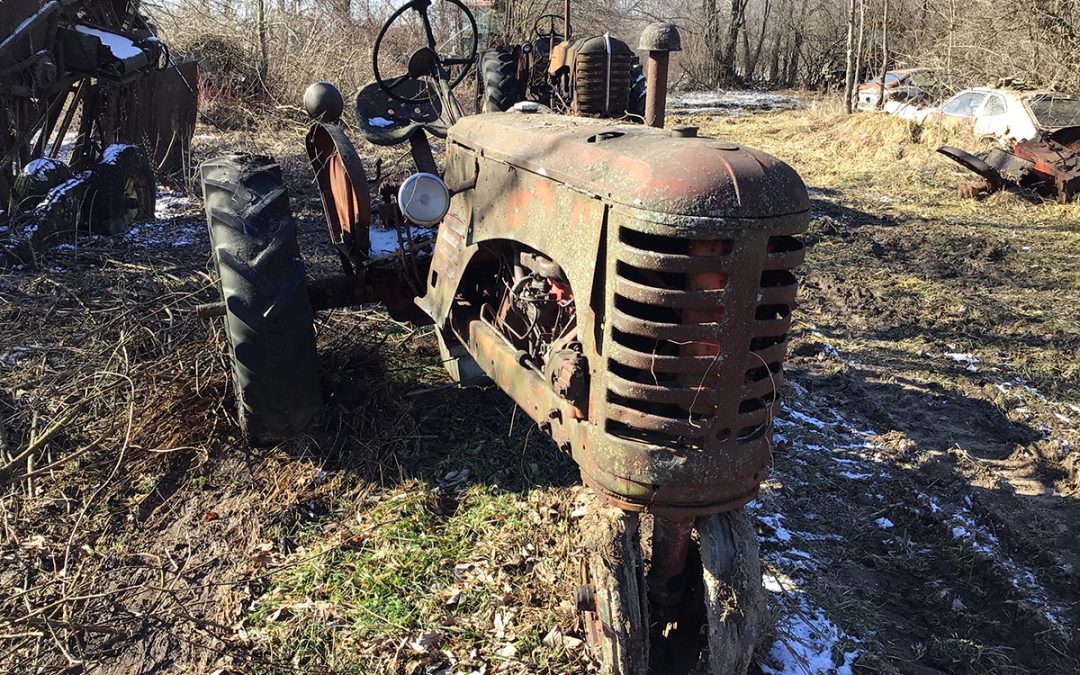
x,y
172,225
729,103
385,241
807,640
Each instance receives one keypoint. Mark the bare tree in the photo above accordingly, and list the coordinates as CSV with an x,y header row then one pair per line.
x,y
849,78
884,54
853,95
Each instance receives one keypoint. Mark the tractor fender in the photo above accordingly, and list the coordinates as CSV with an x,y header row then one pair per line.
x,y
343,188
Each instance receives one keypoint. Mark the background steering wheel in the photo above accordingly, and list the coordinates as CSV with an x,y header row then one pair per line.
x,y
425,61
550,28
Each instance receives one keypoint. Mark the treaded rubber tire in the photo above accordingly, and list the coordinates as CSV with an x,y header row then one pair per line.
x,y
269,320
32,185
635,103
735,602
498,73
616,573
124,166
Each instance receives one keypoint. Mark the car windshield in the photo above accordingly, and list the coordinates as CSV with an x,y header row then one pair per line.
x,y
1055,111
890,77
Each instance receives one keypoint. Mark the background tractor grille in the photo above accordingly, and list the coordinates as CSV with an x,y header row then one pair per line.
x,y
690,364
591,92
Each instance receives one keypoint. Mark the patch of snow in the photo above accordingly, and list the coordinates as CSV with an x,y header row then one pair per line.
x,y
729,103
774,521
164,233
807,641
112,153
884,523
168,203
851,475
120,46
805,419
62,189
385,241
39,167
967,360
11,357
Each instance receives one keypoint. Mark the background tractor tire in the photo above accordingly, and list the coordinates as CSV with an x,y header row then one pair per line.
x,y
121,190
499,79
33,184
269,320
635,103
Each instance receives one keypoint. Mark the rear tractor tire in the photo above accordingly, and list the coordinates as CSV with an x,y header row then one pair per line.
x,y
501,88
121,190
269,320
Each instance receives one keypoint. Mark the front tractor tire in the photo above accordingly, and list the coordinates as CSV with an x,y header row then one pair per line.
x,y
121,190
735,604
613,596
269,320
499,80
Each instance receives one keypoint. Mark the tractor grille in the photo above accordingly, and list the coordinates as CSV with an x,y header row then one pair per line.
x,y
695,360
593,93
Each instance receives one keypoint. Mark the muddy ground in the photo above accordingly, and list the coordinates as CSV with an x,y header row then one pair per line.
x,y
919,516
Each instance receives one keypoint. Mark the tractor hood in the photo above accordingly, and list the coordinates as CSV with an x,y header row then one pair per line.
x,y
653,169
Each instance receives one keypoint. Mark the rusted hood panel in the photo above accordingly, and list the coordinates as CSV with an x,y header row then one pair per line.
x,y
639,166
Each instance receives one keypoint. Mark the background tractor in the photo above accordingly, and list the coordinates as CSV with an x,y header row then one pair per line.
x,y
629,287
597,76
90,105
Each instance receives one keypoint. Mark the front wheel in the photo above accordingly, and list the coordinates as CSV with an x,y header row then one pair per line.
x,y
735,606
269,320
612,596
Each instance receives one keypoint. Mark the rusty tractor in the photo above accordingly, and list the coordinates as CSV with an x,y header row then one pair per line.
x,y
90,104
596,76
629,287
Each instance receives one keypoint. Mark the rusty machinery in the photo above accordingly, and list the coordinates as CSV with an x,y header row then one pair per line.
x,y
90,104
1048,164
631,288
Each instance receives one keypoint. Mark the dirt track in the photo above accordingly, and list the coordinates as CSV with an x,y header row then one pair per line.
x,y
919,518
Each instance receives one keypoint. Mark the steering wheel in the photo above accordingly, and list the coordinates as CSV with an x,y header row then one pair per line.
x,y
551,32
426,61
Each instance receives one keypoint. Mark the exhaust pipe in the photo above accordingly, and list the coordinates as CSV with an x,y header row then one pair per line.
x,y
659,39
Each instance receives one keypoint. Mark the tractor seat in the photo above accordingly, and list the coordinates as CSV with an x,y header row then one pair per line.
x,y
384,120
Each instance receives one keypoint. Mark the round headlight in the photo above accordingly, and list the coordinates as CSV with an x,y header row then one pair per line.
x,y
424,198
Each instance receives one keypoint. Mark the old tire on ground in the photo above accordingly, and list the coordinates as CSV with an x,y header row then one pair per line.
x,y
612,594
498,77
32,185
121,190
734,596
635,104
269,320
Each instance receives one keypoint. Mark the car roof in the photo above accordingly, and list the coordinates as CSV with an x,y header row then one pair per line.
x,y
1013,93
